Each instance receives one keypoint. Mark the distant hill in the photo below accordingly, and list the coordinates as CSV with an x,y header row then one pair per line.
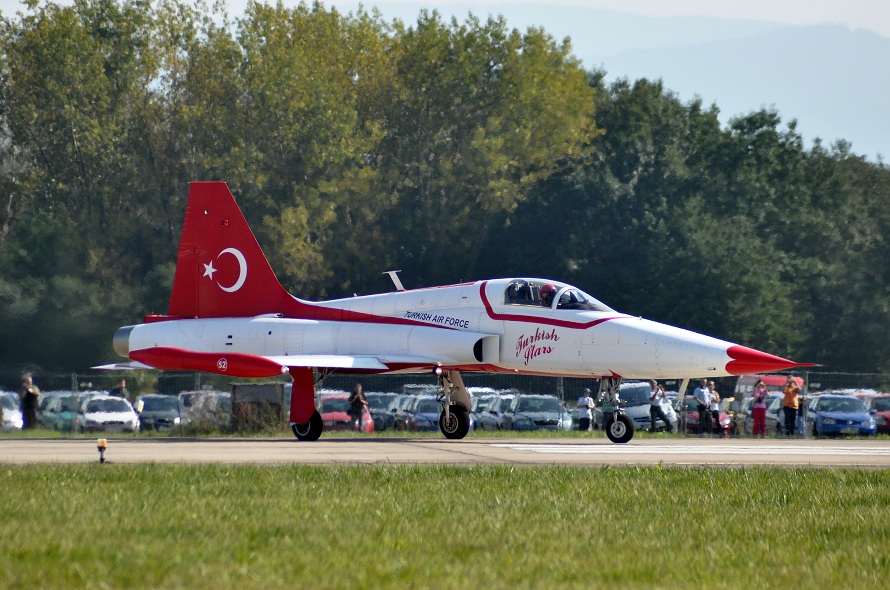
x,y
832,80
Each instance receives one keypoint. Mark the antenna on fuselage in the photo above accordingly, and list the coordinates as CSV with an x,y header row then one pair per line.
x,y
394,275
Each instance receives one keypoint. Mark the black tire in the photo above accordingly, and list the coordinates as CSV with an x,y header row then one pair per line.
x,y
621,430
458,423
310,430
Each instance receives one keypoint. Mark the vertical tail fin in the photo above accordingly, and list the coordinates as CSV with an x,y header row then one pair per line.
x,y
221,271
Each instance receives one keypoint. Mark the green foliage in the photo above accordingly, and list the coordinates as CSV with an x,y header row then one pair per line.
x,y
453,151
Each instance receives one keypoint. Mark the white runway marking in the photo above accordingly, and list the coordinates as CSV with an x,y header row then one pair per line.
x,y
751,450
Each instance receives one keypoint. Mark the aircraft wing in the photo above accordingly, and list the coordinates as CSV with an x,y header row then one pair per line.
x,y
330,361
356,362
242,364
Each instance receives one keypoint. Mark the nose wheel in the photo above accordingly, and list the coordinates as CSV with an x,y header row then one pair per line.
x,y
620,429
454,422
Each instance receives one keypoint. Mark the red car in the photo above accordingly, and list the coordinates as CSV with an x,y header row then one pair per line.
x,y
687,413
880,402
334,410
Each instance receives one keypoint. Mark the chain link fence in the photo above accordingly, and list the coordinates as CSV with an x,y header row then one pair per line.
x,y
566,388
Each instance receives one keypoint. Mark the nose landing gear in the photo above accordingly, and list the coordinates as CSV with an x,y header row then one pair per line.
x,y
455,419
619,428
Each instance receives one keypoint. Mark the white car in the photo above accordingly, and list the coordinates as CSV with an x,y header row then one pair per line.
x,y
634,397
105,413
12,414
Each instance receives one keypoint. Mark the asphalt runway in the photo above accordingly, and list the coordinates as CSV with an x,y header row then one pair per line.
x,y
869,454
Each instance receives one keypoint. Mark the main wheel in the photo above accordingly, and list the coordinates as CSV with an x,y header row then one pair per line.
x,y
310,430
620,430
457,425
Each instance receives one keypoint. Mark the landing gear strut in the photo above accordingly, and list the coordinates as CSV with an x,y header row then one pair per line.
x,y
305,420
455,419
619,428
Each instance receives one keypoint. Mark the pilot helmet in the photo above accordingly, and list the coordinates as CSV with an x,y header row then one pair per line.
x,y
547,291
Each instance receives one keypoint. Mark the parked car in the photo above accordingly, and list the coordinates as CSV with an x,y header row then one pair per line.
x,y
687,409
774,382
480,418
389,416
635,402
738,419
334,410
205,409
157,411
536,412
484,412
378,405
45,399
424,414
401,418
61,411
104,413
880,403
831,415
505,402
11,410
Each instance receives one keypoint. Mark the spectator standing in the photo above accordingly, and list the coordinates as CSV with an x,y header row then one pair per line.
x,y
357,404
585,410
714,406
790,404
703,396
121,390
758,409
29,394
657,398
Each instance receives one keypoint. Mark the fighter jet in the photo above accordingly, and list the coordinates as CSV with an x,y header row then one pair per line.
x,y
230,315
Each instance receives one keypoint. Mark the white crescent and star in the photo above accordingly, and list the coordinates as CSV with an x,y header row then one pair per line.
x,y
242,270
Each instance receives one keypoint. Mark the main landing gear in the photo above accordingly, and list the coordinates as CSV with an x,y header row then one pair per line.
x,y
305,420
619,428
310,430
454,422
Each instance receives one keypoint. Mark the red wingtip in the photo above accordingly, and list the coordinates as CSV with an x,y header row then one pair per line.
x,y
747,361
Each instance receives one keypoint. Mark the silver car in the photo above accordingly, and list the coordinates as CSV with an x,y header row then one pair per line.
x,y
12,413
635,403
157,411
105,413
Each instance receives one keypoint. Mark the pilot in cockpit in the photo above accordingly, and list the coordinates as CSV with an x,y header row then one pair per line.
x,y
547,292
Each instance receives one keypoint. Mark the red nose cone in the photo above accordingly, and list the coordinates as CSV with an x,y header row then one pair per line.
x,y
747,360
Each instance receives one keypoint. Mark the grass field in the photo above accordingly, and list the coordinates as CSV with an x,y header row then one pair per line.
x,y
155,526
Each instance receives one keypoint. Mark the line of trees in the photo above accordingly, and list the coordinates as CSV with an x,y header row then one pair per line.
x,y
451,150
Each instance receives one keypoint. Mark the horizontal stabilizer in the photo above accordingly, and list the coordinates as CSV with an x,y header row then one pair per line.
x,y
131,366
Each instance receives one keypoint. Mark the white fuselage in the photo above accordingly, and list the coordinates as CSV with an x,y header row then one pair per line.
x,y
467,327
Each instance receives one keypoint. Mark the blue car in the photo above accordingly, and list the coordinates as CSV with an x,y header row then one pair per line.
x,y
424,414
831,415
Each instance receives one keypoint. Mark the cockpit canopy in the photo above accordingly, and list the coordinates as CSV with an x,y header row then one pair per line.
x,y
529,292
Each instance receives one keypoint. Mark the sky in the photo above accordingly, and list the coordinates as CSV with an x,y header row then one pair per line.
x,y
701,48
867,14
